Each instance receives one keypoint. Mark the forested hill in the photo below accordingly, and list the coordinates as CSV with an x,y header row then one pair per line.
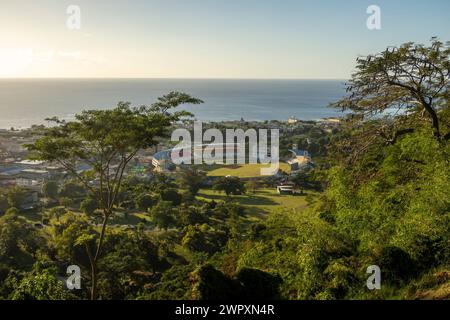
x,y
377,194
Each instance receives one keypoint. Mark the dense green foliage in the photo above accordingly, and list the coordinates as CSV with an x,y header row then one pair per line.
x,y
378,195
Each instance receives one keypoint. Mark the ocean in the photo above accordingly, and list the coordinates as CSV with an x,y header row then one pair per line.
x,y
24,102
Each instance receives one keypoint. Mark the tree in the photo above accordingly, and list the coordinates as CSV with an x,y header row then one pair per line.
x,y
106,141
192,179
126,266
19,241
172,196
194,239
67,202
72,190
249,284
88,206
12,212
42,285
16,197
209,283
3,204
73,238
252,186
163,215
258,285
145,201
303,180
50,189
229,185
413,80
396,263
193,215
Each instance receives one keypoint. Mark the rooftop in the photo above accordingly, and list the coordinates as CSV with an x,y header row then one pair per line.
x,y
35,171
299,152
30,162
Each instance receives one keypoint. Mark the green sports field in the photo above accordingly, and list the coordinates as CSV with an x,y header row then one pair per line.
x,y
243,171
264,201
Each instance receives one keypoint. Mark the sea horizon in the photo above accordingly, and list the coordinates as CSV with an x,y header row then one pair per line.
x,y
29,101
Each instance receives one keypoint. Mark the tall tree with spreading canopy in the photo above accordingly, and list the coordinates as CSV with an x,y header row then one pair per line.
x,y
107,140
192,179
229,185
405,83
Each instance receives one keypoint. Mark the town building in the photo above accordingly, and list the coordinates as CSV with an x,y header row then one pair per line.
x,y
301,159
292,120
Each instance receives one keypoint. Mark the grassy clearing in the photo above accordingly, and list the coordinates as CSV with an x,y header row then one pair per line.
x,y
264,201
133,218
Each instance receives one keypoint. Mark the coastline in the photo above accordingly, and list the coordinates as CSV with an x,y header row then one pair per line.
x,y
329,120
28,102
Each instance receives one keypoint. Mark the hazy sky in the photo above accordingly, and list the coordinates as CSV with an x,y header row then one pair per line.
x,y
207,38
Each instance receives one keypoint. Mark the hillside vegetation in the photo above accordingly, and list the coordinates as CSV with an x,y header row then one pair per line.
x,y
378,195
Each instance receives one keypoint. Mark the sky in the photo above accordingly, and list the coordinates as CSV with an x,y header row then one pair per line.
x,y
256,39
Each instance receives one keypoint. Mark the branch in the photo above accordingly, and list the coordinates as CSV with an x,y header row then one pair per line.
x,y
74,173
398,134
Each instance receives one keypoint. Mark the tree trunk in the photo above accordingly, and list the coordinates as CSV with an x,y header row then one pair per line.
x,y
94,271
94,280
434,119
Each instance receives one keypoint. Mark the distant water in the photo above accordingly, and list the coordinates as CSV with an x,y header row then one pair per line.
x,y
27,102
